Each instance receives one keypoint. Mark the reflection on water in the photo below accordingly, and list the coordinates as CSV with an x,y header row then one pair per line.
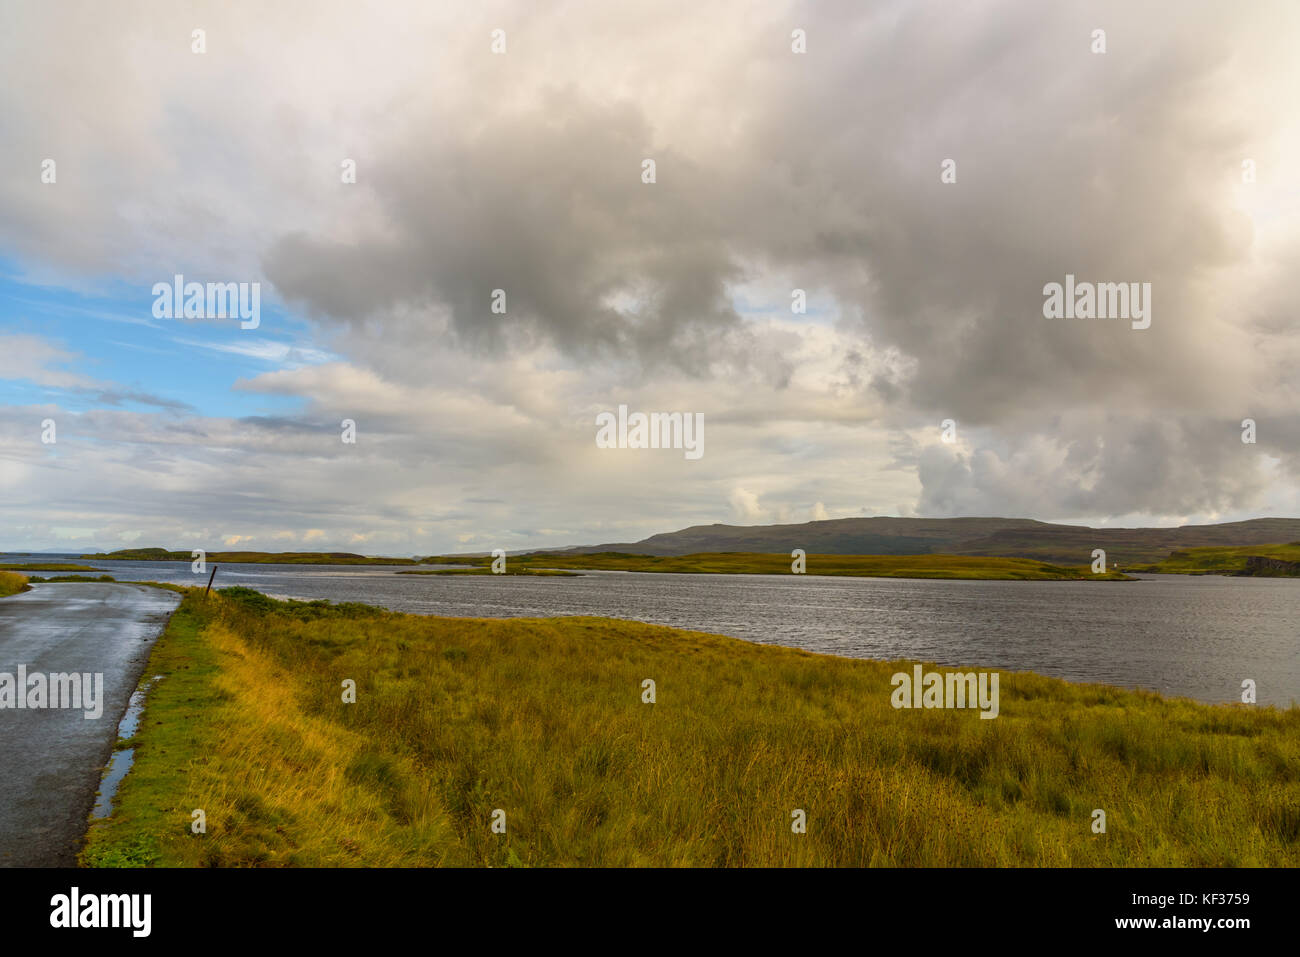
x,y
1193,636
122,760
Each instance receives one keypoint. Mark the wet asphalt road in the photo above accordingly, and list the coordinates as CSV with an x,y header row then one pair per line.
x,y
51,760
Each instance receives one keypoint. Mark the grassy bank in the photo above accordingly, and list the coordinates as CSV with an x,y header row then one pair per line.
x,y
11,583
47,567
1253,560
755,563
544,719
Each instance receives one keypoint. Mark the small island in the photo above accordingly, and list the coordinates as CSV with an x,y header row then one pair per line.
x,y
246,558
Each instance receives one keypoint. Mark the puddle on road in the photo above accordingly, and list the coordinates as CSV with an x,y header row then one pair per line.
x,y
122,759
118,765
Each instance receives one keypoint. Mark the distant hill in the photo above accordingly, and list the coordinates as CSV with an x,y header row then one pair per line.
x,y
1001,537
840,536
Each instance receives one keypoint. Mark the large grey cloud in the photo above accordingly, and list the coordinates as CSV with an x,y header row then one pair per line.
x,y
1113,167
548,206
1110,167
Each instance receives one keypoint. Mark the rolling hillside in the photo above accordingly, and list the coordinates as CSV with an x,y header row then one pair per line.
x,y
996,537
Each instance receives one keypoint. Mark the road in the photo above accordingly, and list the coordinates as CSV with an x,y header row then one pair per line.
x,y
51,759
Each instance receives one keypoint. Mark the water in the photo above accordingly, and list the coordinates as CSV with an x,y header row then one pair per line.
x,y
1179,635
120,763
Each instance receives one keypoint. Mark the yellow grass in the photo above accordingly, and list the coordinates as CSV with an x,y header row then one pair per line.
x,y
11,583
544,720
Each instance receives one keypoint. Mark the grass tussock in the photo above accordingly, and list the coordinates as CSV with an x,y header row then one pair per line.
x,y
11,583
544,719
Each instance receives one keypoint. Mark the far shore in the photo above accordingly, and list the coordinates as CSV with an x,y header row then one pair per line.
x,y
968,567
1253,561
928,566
246,558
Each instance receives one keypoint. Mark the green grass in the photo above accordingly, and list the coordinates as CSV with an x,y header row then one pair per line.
x,y
253,558
543,718
47,567
1230,561
176,730
11,583
754,563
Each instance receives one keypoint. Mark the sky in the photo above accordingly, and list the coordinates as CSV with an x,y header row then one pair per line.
x,y
921,171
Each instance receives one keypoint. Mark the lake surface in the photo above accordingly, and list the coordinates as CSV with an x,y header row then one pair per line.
x,y
1179,635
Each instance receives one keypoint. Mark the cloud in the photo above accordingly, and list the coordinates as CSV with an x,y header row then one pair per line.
x,y
282,353
115,396
36,360
744,504
775,171
590,259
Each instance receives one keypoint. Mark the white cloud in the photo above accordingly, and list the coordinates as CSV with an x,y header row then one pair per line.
x,y
34,359
744,504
